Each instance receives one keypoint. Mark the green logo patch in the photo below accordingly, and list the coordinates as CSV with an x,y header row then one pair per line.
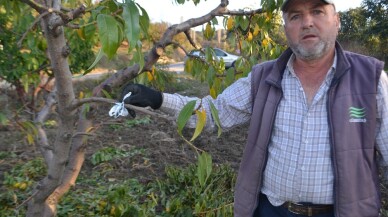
x,y
357,115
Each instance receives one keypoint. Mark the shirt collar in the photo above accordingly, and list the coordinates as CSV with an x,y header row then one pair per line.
x,y
329,76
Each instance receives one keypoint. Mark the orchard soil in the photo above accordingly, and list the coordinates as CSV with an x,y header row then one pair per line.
x,y
156,138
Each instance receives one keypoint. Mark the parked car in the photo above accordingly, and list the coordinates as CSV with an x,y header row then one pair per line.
x,y
228,58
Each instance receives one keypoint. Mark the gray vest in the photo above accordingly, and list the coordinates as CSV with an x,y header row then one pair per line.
x,y
352,137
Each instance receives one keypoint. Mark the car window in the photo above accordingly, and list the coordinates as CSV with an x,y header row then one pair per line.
x,y
196,53
219,53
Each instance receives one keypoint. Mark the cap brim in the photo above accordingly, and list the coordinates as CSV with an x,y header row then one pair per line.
x,y
286,3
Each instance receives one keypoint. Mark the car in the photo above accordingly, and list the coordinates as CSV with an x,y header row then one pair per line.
x,y
228,58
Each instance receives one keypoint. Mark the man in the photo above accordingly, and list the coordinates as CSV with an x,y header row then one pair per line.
x,y
318,116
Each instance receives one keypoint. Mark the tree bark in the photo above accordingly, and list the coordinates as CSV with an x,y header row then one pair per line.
x,y
41,204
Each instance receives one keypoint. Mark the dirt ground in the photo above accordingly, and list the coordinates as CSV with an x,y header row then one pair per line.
x,y
155,137
163,146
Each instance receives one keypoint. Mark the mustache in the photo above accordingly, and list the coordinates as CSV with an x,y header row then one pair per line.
x,y
308,33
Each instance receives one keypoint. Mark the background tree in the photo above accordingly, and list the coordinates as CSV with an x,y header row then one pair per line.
x,y
364,29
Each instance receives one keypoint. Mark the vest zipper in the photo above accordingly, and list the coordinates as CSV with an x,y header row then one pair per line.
x,y
333,151
264,163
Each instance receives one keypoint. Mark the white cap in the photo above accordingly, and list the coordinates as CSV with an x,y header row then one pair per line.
x,y
287,2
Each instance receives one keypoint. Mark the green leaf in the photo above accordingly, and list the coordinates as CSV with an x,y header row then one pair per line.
x,y
201,121
196,2
107,95
189,65
144,21
204,168
209,54
3,119
109,32
98,58
138,56
132,26
30,127
215,21
198,65
30,139
243,22
211,73
229,79
215,116
185,115
89,30
180,1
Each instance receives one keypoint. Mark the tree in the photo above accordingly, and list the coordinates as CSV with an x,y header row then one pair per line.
x,y
376,13
52,25
364,29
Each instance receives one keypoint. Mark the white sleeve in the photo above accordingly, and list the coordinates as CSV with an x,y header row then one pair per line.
x,y
234,105
382,122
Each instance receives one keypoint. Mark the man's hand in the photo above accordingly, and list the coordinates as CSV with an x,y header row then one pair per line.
x,y
142,96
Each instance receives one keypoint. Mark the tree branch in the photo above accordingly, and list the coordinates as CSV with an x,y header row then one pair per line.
x,y
180,46
43,11
68,17
79,103
19,43
188,36
38,7
244,13
45,148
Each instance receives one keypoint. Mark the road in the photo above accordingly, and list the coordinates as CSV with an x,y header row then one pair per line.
x,y
176,67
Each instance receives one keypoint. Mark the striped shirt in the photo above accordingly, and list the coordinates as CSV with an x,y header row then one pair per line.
x,y
299,163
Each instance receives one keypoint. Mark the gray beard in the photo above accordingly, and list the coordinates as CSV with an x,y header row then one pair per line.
x,y
311,54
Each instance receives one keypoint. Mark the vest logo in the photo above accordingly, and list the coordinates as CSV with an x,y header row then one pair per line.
x,y
357,115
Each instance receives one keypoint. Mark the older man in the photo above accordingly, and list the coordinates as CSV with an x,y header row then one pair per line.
x,y
318,116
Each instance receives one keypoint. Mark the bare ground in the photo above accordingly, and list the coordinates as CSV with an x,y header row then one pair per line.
x,y
155,137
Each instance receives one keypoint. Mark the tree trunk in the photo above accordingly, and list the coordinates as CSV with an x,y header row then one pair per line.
x,y
41,204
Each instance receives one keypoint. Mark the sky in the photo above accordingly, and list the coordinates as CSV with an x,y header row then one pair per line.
x,y
170,12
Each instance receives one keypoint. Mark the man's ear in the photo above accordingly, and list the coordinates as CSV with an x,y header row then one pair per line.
x,y
338,21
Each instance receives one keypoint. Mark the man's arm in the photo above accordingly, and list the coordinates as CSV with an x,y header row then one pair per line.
x,y
234,104
382,130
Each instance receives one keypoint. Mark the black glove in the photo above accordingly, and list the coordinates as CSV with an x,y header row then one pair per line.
x,y
142,96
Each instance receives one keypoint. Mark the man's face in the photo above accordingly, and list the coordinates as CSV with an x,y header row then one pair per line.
x,y
311,27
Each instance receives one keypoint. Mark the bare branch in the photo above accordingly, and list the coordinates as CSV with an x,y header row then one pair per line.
x,y
19,43
44,146
79,103
73,26
78,12
180,46
65,9
26,201
38,7
244,13
188,36
117,79
83,134
68,17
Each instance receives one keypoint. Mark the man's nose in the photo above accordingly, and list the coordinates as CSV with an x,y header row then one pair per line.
x,y
307,21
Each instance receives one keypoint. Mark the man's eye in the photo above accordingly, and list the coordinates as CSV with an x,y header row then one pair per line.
x,y
295,17
317,12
